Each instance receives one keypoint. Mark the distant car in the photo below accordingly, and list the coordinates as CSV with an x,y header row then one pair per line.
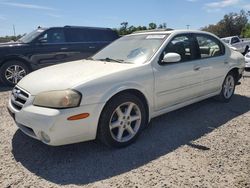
x,y
247,59
48,46
238,44
114,95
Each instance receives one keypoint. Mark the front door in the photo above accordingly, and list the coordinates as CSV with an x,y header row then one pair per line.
x,y
178,82
50,48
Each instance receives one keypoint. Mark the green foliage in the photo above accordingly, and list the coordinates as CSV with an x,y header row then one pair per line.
x,y
246,31
10,38
232,24
125,29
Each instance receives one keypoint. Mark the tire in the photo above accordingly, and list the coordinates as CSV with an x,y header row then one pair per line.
x,y
228,88
118,129
12,72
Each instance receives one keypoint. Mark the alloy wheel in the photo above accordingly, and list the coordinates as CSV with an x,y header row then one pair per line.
x,y
14,73
229,86
125,122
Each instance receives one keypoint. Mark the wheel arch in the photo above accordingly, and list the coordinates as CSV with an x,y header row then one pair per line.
x,y
16,58
141,95
235,71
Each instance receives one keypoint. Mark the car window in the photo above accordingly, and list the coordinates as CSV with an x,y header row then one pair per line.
x,y
235,40
77,35
183,45
209,46
89,35
53,36
97,35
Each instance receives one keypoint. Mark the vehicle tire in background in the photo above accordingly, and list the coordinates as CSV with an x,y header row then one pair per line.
x,y
12,72
228,88
122,120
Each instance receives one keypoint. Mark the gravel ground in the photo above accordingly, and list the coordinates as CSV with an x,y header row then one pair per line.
x,y
202,145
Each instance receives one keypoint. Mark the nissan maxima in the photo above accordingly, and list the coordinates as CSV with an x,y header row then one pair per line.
x,y
113,95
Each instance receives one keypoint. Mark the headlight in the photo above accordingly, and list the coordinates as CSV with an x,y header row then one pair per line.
x,y
58,99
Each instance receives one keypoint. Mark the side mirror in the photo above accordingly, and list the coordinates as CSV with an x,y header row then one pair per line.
x,y
171,58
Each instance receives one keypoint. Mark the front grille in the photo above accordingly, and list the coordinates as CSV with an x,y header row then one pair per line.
x,y
18,98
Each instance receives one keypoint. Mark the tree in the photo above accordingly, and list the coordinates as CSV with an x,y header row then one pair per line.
x,y
232,24
152,26
246,31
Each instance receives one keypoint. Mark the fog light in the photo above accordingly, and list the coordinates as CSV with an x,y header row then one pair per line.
x,y
45,137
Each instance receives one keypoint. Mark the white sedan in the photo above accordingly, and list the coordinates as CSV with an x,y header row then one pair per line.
x,y
247,59
113,95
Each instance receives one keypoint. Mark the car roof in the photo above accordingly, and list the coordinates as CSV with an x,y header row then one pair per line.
x,y
181,31
78,27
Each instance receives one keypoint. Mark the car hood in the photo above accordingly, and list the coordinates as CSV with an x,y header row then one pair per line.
x,y
11,44
69,75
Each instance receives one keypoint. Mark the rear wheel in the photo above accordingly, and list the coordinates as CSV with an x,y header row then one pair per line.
x,y
122,120
228,88
12,72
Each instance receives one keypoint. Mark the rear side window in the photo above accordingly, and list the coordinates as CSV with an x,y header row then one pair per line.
x,y
75,35
209,46
89,35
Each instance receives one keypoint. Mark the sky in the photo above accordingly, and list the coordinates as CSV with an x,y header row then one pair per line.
x,y
28,15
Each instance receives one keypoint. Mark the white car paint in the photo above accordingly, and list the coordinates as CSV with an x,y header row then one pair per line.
x,y
247,59
236,43
165,88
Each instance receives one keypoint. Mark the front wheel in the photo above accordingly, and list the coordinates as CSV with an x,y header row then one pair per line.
x,y
228,88
122,120
12,72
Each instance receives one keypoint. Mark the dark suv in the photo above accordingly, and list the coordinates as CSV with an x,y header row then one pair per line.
x,y
48,46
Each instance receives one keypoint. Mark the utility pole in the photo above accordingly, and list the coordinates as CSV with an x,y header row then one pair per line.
x,y
188,26
14,30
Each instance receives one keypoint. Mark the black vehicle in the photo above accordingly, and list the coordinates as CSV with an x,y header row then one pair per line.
x,y
49,46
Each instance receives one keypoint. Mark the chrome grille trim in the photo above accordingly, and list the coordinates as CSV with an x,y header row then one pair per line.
x,y
18,98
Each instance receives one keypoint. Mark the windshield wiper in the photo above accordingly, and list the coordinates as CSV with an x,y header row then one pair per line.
x,y
89,58
110,59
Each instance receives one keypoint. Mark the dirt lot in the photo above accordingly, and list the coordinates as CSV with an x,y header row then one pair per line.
x,y
203,145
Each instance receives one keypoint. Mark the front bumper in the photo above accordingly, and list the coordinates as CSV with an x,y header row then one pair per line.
x,y
51,125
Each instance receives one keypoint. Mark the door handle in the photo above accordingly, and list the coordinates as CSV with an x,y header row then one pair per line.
x,y
196,68
91,47
64,48
225,62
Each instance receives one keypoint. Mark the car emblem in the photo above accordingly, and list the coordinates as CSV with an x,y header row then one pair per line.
x,y
16,93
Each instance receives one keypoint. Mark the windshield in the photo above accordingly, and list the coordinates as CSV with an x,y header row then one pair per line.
x,y
132,49
226,40
29,37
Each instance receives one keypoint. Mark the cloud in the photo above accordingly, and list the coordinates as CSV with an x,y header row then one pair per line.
x,y
222,4
54,15
191,1
218,5
27,6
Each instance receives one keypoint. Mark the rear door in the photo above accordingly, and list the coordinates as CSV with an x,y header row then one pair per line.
x,y
212,62
235,41
78,44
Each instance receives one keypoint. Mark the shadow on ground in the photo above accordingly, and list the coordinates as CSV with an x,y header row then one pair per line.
x,y
3,88
89,162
